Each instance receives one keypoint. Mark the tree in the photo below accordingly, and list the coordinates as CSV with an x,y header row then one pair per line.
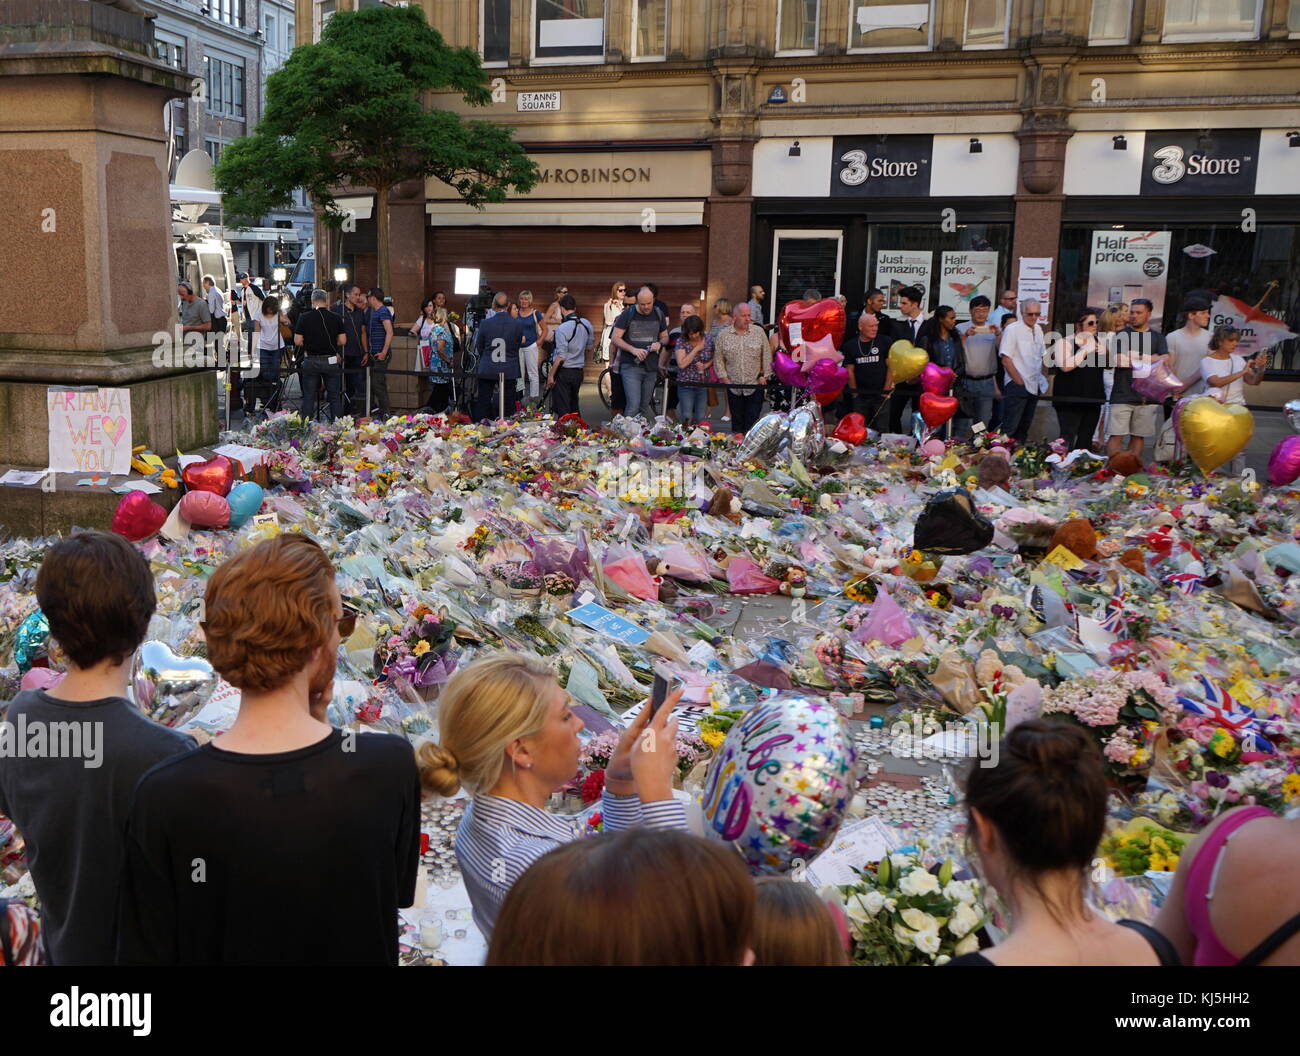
x,y
349,112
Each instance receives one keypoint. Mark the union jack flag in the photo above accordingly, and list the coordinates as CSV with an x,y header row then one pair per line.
x,y
1184,582
1115,620
1219,707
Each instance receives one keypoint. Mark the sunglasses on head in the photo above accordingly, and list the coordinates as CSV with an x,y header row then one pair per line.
x,y
348,621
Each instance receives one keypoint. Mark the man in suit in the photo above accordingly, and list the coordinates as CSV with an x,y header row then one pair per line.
x,y
498,341
906,394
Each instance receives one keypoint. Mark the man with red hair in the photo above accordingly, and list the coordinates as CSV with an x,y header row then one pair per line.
x,y
283,841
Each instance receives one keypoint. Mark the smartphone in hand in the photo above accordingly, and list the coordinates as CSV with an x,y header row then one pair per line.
x,y
658,694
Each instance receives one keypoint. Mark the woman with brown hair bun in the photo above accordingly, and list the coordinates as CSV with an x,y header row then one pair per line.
x,y
509,735
1035,821
645,897
794,927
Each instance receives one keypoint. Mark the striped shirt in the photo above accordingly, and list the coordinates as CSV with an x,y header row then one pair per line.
x,y
500,838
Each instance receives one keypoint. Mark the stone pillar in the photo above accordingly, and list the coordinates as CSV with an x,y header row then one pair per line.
x,y
87,271
730,219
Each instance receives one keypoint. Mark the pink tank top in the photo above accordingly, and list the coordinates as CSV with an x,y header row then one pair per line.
x,y
1200,879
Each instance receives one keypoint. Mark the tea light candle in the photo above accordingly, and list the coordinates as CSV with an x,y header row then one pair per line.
x,y
877,722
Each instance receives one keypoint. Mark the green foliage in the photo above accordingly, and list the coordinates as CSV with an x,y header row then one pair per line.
x,y
349,112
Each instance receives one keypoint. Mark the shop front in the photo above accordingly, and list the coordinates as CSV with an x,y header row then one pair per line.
x,y
594,219
842,214
1162,214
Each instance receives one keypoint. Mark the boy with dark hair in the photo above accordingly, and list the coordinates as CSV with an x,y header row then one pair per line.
x,y
70,755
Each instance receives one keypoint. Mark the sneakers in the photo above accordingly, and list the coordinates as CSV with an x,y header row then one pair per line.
x,y
726,417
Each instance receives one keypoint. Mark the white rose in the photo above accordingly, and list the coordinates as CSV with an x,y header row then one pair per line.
x,y
891,904
963,921
941,960
902,861
875,902
919,882
927,942
903,935
959,891
857,909
970,944
919,920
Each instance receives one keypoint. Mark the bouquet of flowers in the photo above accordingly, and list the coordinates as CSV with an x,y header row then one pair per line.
x,y
285,429
1142,846
901,913
417,651
1124,710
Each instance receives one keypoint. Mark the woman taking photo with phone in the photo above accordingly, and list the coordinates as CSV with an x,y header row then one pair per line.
x,y
510,736
1226,374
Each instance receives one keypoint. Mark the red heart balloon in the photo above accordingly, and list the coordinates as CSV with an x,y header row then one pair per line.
x,y
826,317
828,397
937,379
936,410
137,516
216,475
852,429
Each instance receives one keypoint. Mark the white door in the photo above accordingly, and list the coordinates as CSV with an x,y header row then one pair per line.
x,y
802,260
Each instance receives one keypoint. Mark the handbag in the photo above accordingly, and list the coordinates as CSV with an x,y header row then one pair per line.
x,y
286,332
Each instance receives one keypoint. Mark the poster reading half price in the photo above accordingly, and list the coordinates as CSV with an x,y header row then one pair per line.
x,y
967,274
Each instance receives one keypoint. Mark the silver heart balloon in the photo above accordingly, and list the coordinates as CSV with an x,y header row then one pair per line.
x,y
1292,411
764,437
170,688
807,432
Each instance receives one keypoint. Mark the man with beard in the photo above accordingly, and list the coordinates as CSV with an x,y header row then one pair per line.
x,y
284,841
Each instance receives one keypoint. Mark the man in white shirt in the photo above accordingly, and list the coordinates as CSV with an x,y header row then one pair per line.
x,y
216,300
1023,380
1189,345
756,295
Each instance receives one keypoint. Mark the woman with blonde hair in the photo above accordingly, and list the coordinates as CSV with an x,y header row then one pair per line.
x,y
612,309
509,736
794,927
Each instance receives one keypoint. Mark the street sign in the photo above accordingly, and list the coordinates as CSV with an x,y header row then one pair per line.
x,y
532,101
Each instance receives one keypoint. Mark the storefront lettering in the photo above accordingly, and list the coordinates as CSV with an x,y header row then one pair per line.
x,y
624,175
857,168
1173,168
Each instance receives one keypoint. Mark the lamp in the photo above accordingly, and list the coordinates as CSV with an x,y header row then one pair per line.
x,y
1118,143
1293,139
976,147
279,274
777,95
794,149
340,274
467,282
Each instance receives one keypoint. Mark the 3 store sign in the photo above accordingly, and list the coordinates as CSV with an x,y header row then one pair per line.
x,y
888,166
1179,162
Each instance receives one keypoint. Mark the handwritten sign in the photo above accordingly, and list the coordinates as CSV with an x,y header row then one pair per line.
x,y
608,623
90,430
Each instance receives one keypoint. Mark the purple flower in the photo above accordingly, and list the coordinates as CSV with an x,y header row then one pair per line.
x,y
980,566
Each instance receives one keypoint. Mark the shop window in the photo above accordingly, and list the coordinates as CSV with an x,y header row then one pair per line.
x,y
1111,21
986,23
796,27
494,32
323,12
569,30
1293,18
883,25
951,267
803,260
650,29
1212,19
1256,272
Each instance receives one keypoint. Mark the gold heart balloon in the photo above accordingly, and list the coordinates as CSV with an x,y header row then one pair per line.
x,y
906,361
1213,432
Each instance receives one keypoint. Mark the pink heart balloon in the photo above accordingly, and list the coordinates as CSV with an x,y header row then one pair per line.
x,y
787,370
937,379
205,509
826,377
137,516
1284,462
810,353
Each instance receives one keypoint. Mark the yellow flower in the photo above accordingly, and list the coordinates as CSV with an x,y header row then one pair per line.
x,y
713,738
421,648
1291,787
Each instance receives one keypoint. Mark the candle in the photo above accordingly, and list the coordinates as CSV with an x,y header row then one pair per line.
x,y
430,933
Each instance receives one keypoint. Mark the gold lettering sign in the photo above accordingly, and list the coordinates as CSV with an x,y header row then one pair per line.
x,y
624,174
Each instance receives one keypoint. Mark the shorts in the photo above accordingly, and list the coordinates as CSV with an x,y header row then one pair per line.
x,y
1132,419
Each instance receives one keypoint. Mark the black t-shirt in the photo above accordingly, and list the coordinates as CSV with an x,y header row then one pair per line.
x,y
868,362
320,331
300,857
73,815
640,331
353,323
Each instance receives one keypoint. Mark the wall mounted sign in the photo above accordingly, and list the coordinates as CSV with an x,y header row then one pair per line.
x,y
1181,163
881,166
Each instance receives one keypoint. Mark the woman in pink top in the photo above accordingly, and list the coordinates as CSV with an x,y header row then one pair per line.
x,y
1234,900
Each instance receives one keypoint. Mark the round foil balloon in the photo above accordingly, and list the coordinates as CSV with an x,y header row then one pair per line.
x,y
245,499
1292,411
205,509
170,688
781,781
32,640
764,437
1284,462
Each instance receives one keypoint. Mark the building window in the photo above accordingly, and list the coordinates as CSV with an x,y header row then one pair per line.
x,y
796,26
268,30
494,32
230,12
1293,18
289,42
172,52
650,29
881,25
324,11
1211,20
225,81
986,24
214,148
569,30
1110,21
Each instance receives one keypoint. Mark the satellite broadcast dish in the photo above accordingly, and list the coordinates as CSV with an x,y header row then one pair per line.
x,y
195,170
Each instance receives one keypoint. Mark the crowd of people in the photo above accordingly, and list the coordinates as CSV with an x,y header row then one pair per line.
x,y
170,853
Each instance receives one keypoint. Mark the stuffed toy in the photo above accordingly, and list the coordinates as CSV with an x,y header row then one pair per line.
x,y
1078,536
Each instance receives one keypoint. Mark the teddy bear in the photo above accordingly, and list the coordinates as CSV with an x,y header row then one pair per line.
x,y
1078,536
993,471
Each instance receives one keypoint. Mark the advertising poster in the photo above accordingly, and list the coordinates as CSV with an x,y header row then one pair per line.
x,y
1124,265
90,430
1034,280
967,274
896,269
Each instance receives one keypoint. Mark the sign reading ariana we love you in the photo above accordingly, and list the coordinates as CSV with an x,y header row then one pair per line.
x,y
90,430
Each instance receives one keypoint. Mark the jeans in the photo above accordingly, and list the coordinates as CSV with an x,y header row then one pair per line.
x,y
981,394
1018,407
639,385
905,393
528,359
568,380
745,410
1078,423
869,407
379,386
486,404
692,403
354,386
617,395
315,368
439,393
